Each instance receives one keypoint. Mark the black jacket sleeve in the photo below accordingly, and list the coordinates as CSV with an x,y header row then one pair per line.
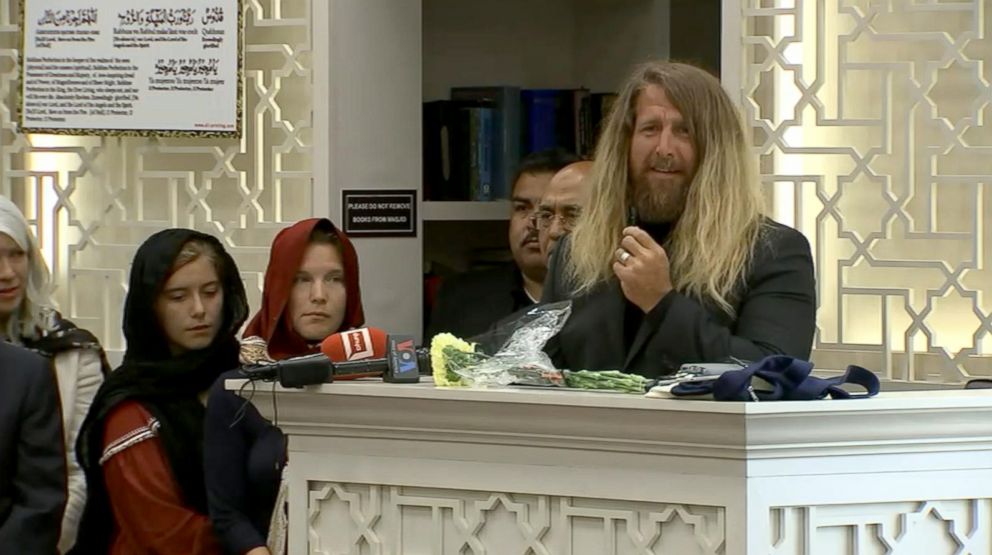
x,y
39,481
554,289
776,314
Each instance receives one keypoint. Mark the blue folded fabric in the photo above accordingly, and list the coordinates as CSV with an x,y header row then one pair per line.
x,y
780,378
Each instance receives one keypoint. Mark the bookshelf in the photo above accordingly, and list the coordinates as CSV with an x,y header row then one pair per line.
x,y
552,44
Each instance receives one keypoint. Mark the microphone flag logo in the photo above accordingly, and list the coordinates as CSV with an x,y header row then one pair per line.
x,y
357,344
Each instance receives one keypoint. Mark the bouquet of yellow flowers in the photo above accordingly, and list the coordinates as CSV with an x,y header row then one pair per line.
x,y
447,353
518,357
512,353
456,362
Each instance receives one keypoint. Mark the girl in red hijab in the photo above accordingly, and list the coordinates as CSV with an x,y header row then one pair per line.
x,y
311,291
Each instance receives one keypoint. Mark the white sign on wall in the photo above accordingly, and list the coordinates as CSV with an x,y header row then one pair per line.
x,y
108,67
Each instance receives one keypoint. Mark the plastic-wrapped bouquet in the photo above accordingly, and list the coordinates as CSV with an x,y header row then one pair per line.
x,y
513,354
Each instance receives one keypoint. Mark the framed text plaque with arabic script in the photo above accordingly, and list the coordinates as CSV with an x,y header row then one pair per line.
x,y
107,67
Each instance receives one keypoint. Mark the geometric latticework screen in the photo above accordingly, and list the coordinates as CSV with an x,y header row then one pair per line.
x,y
870,121
92,200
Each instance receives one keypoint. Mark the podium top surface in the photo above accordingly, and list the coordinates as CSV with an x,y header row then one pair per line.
x,y
885,401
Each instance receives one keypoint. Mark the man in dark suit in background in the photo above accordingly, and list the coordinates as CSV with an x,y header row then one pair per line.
x,y
32,456
561,205
469,304
673,261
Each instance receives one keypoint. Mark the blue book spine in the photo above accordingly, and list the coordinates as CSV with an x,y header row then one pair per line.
x,y
474,153
486,145
509,134
540,107
506,128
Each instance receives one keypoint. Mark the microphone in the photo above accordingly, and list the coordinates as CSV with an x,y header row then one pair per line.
x,y
290,372
401,362
356,353
347,346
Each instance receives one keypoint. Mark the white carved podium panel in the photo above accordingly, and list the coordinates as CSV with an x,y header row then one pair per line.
x,y
391,469
950,526
364,518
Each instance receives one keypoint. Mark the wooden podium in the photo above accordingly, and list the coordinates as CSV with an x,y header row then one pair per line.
x,y
379,468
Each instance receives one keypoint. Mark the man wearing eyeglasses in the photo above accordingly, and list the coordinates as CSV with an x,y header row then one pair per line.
x,y
561,205
469,304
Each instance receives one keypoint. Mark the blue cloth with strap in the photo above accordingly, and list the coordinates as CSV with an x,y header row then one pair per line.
x,y
785,379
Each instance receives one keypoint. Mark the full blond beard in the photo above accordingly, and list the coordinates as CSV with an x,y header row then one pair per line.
x,y
663,203
659,204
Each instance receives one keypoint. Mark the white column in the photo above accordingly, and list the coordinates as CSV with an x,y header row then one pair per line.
x,y
370,76
731,48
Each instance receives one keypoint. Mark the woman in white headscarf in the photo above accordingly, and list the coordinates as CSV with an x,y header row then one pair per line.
x,y
28,318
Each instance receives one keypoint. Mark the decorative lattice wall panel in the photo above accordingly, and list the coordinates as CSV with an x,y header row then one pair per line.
x,y
92,200
869,117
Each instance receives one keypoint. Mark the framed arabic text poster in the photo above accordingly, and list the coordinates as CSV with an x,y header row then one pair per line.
x,y
106,67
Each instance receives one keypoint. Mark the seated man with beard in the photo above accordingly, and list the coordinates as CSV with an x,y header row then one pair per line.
x,y
469,304
673,260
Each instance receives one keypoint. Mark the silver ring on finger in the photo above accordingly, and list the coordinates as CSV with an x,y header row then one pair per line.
x,y
623,256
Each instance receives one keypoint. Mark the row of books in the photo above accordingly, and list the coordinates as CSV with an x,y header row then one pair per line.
x,y
473,143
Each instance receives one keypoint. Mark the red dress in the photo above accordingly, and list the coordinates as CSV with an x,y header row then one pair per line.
x,y
149,513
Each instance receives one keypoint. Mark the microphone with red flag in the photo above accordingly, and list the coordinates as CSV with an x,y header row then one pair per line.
x,y
349,354
363,347
394,357
402,363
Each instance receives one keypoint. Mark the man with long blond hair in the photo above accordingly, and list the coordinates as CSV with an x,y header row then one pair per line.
x,y
673,260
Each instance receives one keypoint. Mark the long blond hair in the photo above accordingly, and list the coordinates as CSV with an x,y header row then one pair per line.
x,y
35,315
712,242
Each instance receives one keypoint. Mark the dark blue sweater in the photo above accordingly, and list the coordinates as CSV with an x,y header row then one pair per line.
x,y
243,459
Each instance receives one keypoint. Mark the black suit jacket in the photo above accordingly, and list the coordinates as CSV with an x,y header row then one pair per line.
x,y
32,456
775,314
469,304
